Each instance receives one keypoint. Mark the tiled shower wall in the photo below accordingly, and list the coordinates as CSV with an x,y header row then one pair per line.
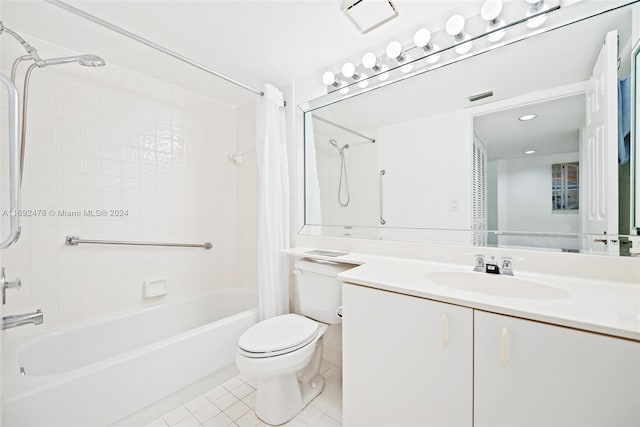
x,y
111,138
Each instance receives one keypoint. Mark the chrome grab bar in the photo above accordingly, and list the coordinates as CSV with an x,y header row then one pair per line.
x,y
382,221
14,162
75,241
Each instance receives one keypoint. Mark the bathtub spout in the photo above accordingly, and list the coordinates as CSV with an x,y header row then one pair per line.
x,y
16,320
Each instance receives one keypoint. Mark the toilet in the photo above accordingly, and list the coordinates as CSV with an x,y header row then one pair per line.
x,y
283,354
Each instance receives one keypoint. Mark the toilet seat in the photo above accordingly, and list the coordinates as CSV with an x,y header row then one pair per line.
x,y
277,336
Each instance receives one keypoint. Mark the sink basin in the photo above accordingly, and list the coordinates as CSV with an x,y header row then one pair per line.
x,y
497,285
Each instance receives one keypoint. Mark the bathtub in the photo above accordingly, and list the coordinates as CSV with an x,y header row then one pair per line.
x,y
102,373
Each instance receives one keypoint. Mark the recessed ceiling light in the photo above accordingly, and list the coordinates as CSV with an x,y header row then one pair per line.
x,y
527,117
529,151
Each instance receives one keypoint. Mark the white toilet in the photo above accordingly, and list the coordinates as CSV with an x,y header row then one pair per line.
x,y
283,354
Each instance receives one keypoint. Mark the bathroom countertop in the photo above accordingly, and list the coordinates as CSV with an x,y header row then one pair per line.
x,y
604,307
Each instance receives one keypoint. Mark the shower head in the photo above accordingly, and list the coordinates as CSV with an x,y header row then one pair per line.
x,y
85,60
333,142
345,146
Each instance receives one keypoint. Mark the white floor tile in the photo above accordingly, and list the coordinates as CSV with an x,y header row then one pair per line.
x,y
175,416
242,391
325,401
250,400
215,393
220,420
242,378
232,383
248,420
236,410
207,412
296,422
336,413
157,423
197,403
225,401
309,415
326,421
190,421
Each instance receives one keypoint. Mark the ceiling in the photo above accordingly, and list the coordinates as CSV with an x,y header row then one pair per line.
x,y
553,59
254,42
555,129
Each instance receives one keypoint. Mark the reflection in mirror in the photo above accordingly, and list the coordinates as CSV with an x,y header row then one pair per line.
x,y
540,162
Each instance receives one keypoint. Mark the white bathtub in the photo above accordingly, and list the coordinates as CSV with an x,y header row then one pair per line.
x,y
102,373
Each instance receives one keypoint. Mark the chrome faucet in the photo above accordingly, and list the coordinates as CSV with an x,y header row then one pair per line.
x,y
7,284
16,320
491,265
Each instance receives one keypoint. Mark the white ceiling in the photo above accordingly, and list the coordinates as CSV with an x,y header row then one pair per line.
x,y
254,42
555,129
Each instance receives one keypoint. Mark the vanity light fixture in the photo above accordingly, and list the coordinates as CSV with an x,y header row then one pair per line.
x,y
408,66
535,7
527,117
363,81
329,79
349,71
529,151
490,12
422,38
394,51
370,61
455,28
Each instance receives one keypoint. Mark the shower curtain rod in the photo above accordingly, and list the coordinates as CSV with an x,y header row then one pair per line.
x,y
149,43
373,141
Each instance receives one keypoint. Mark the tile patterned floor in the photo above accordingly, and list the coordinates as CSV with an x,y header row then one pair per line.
x,y
232,403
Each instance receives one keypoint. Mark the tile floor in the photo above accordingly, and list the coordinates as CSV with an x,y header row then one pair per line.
x,y
232,403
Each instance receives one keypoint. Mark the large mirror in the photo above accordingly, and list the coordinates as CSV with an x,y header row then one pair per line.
x,y
540,160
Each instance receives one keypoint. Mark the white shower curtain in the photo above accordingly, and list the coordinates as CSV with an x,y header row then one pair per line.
x,y
273,205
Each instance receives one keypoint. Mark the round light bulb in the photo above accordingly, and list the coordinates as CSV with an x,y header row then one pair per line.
x,y
408,66
394,50
432,59
384,75
364,82
491,10
422,37
344,89
349,70
496,36
464,48
328,78
455,25
369,60
537,21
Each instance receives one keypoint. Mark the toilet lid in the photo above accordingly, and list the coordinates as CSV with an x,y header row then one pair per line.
x,y
278,333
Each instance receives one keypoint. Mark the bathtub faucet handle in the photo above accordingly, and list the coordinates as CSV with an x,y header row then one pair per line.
x,y
6,285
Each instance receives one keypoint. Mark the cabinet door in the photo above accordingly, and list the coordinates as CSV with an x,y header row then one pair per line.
x,y
406,361
529,373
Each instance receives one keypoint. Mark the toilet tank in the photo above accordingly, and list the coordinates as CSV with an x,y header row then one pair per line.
x,y
318,289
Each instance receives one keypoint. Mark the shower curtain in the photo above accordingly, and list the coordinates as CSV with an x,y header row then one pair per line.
x,y
273,205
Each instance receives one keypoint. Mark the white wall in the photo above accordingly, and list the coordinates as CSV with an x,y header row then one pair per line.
x,y
524,199
112,138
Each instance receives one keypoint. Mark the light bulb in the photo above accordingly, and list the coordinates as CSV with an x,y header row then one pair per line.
x,y
491,10
496,36
432,59
537,21
408,66
455,27
349,71
384,75
370,62
329,79
422,38
364,82
344,89
464,47
394,50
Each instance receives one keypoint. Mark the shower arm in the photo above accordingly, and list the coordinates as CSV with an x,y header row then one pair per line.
x,y
32,51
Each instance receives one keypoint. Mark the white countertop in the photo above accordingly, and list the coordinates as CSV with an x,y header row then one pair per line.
x,y
604,307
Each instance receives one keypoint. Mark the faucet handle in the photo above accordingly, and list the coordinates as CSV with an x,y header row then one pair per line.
x,y
6,285
507,266
480,264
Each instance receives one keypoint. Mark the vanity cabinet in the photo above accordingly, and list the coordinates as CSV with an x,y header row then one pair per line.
x,y
407,361
415,362
530,373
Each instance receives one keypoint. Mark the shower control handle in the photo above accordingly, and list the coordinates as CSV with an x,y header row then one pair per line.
x,y
382,220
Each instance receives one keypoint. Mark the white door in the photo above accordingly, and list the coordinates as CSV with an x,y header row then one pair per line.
x,y
533,374
407,361
599,153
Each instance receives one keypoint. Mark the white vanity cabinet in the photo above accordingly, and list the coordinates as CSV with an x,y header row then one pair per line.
x,y
535,374
407,361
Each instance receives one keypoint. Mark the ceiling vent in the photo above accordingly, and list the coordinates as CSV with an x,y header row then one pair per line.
x,y
370,14
479,96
